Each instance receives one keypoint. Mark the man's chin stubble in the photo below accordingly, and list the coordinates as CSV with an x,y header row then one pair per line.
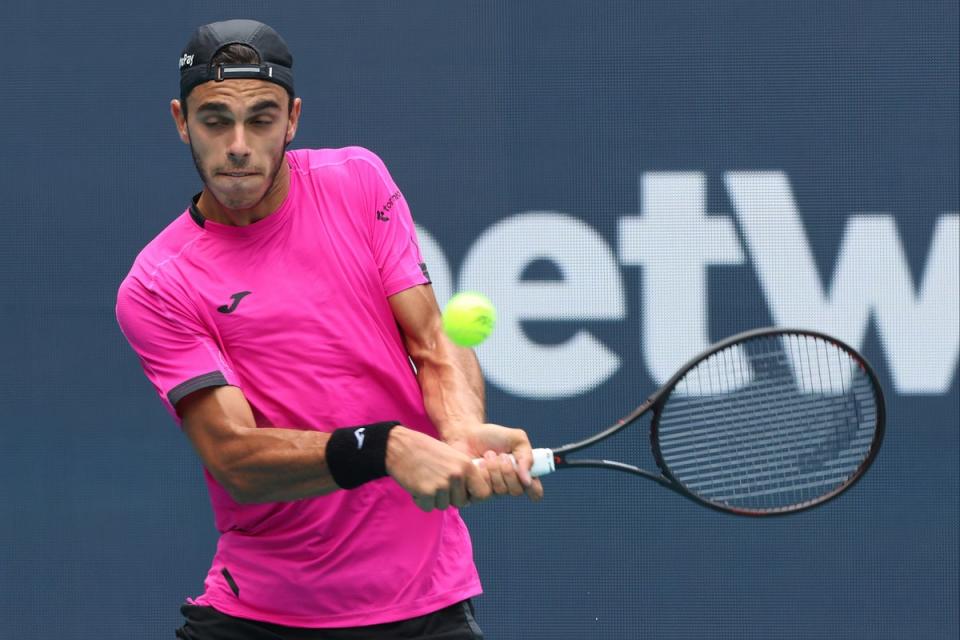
x,y
201,171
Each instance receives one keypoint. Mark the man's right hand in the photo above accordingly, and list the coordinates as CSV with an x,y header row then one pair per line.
x,y
434,473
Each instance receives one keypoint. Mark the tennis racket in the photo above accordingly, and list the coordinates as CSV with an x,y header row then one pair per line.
x,y
766,422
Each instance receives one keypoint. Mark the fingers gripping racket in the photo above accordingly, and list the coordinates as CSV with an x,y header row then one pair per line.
x,y
766,422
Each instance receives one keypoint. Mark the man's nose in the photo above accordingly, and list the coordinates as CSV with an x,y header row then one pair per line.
x,y
239,149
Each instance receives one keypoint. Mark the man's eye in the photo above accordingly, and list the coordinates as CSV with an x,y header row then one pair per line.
x,y
215,123
262,123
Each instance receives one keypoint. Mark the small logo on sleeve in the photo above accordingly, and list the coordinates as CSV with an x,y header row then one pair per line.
x,y
382,211
237,297
360,436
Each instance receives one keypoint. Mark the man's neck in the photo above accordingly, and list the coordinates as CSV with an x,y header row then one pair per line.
x,y
212,209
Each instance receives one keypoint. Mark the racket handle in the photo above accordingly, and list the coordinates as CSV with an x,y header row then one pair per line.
x,y
542,462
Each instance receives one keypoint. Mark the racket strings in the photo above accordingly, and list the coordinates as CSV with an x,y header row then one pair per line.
x,y
769,423
703,436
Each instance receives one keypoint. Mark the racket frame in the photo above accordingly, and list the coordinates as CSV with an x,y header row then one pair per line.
x,y
659,398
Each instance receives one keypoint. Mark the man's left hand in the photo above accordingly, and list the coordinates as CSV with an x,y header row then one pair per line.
x,y
493,445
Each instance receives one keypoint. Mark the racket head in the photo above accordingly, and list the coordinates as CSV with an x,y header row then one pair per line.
x,y
769,422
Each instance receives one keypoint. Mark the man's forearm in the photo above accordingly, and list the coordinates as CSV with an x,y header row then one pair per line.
x,y
275,465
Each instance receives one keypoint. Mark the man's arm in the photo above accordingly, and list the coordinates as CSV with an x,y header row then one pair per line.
x,y
253,465
453,393
274,464
283,464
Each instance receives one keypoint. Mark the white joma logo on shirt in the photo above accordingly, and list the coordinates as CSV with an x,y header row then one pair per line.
x,y
359,434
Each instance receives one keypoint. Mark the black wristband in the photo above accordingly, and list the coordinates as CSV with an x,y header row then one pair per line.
x,y
356,455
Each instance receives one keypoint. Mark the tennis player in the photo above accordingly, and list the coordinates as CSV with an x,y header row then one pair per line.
x,y
287,322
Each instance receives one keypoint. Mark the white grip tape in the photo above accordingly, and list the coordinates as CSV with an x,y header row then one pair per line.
x,y
542,462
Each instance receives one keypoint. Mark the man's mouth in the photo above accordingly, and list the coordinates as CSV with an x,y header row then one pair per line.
x,y
237,174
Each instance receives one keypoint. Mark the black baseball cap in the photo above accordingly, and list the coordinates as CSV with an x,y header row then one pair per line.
x,y
276,63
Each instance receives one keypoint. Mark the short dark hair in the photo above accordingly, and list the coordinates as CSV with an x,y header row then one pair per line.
x,y
236,54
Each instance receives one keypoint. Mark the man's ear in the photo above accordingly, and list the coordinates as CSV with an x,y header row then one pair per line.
x,y
294,120
179,113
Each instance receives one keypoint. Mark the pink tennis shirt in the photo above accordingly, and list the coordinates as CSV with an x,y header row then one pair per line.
x,y
293,310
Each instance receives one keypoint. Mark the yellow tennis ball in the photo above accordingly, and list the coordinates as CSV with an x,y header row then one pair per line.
x,y
469,318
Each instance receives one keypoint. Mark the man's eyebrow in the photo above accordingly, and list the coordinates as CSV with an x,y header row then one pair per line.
x,y
222,108
216,107
265,105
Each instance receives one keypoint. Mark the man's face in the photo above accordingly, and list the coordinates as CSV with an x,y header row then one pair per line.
x,y
237,131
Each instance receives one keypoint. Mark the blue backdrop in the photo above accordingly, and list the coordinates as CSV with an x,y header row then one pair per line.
x,y
627,180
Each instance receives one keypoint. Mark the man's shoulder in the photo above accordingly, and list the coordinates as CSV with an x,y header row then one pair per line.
x,y
162,251
335,162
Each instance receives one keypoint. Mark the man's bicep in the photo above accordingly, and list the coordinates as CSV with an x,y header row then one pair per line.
x,y
418,316
213,418
419,319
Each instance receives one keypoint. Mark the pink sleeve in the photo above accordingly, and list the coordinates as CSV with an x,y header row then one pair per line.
x,y
177,354
393,235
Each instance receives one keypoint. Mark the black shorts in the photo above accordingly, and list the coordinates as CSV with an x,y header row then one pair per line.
x,y
456,622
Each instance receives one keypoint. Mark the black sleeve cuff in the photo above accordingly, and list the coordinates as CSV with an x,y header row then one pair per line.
x,y
182,390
